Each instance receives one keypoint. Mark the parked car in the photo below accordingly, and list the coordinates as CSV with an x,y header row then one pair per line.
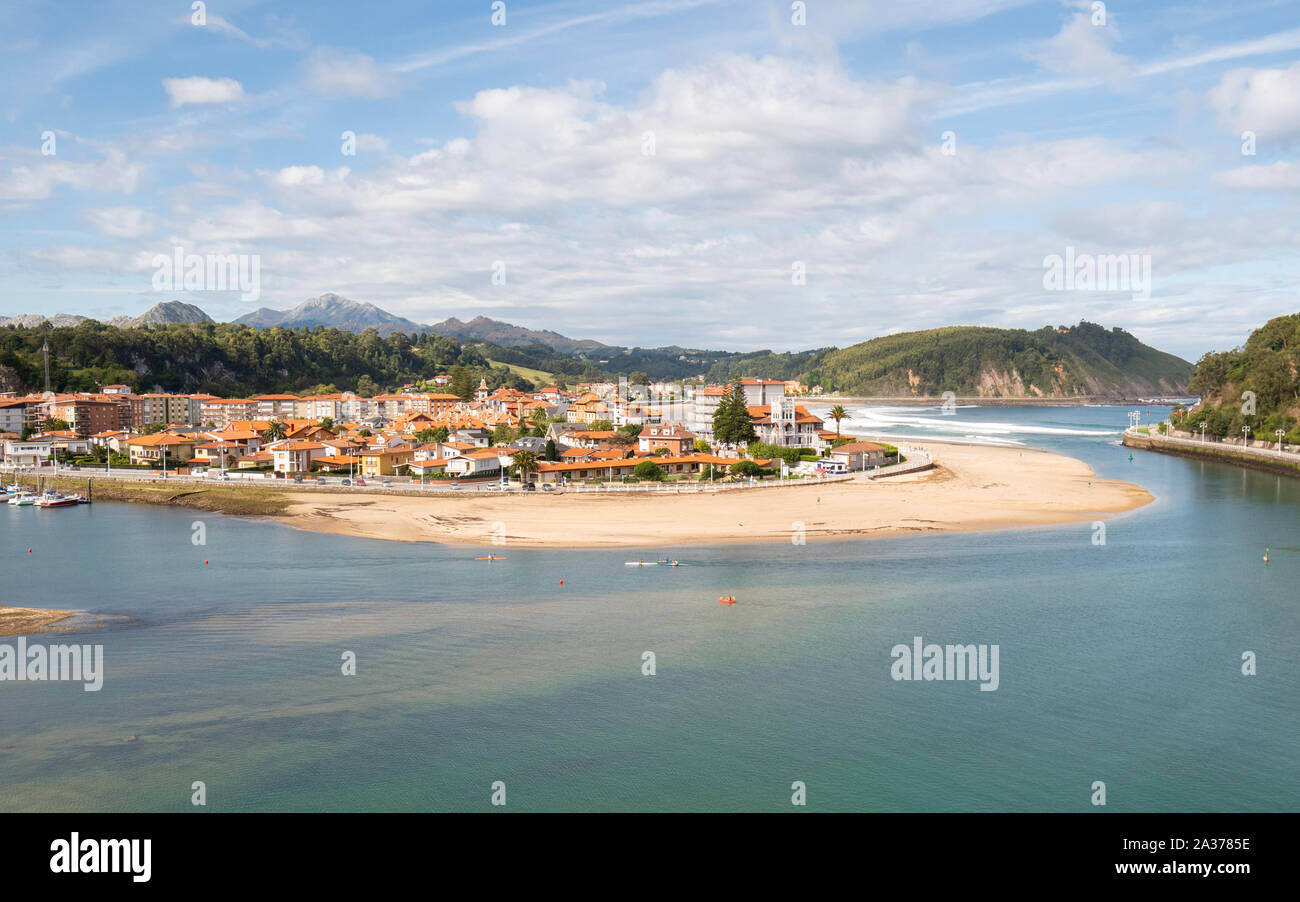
x,y
548,486
359,482
347,482
386,484
454,485
530,487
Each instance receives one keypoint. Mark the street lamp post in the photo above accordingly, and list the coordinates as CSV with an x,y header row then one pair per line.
x,y
1202,432
1279,433
1245,436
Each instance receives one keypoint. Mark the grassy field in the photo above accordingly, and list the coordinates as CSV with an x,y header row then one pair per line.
x,y
541,378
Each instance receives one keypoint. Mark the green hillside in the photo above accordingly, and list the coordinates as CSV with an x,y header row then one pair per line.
x,y
1268,365
976,361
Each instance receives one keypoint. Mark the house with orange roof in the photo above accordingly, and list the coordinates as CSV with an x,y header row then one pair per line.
x,y
216,454
385,461
676,439
788,425
480,462
296,456
258,459
336,463
429,467
160,448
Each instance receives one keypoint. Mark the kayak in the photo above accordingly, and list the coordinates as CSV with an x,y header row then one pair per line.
x,y
641,564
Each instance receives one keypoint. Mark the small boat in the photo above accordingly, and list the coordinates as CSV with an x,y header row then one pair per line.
x,y
667,563
13,488
56,499
726,599
4,496
641,564
490,557
22,499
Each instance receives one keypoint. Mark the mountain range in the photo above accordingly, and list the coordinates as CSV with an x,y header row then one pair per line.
x,y
1053,362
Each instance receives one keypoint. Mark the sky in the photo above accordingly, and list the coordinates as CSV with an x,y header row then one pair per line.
x,y
723,174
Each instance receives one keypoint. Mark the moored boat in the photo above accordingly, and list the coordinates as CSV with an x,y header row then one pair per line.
x,y
22,499
56,499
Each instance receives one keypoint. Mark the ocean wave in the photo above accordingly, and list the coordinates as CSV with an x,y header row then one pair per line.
x,y
867,418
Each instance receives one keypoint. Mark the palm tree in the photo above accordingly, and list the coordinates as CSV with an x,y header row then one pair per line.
x,y
525,464
540,421
274,431
838,413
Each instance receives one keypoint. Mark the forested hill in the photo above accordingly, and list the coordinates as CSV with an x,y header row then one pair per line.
x,y
230,360
976,361
1267,366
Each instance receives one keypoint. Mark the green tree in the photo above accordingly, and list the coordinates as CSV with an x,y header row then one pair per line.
x,y
732,423
648,469
462,382
703,447
426,435
504,435
366,387
274,431
551,453
327,423
525,465
540,421
440,434
746,468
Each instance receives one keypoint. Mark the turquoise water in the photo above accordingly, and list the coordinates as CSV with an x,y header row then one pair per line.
x,y
1118,663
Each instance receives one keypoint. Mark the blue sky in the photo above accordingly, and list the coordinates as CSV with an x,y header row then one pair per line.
x,y
654,172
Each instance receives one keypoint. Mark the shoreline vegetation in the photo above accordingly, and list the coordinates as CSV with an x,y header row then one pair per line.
x,y
972,487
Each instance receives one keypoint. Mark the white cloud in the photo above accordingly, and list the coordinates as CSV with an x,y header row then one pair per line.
x,y
292,176
1083,48
1283,175
121,222
197,89
367,143
1264,101
337,73
42,178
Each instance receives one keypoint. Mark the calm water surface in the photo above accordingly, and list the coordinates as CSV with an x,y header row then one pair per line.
x,y
1118,663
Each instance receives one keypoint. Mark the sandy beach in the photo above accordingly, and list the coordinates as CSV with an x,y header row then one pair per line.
x,y
25,621
973,487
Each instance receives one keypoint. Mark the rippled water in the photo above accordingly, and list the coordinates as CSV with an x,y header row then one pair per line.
x,y
1118,663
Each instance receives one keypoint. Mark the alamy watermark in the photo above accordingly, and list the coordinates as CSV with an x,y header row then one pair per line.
x,y
1100,272
208,272
57,663
946,662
